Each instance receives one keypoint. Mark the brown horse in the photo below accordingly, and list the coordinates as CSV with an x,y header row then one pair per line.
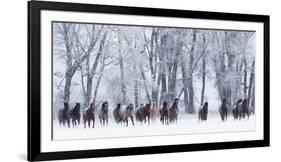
x,y
116,114
164,113
244,110
103,115
235,111
173,112
153,111
223,110
128,113
140,114
75,115
63,115
89,115
203,112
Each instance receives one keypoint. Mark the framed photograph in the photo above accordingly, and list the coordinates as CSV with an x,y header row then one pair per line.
x,y
115,80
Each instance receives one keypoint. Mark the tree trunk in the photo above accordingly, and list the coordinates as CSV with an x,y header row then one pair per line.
x,y
203,71
67,85
245,77
162,71
173,78
88,91
98,82
203,80
190,81
122,75
253,98
136,88
184,82
68,74
145,85
251,83
163,96
91,74
153,62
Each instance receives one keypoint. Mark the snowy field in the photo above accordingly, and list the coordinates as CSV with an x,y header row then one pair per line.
x,y
187,124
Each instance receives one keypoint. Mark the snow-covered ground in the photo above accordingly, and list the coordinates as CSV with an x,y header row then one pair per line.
x,y
187,124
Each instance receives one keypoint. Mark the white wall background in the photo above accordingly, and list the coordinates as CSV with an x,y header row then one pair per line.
x,y
13,82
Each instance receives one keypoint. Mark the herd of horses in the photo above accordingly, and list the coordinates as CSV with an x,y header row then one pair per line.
x,y
168,115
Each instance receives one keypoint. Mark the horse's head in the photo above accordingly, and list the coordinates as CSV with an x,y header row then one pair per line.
x,y
245,102
147,106
130,107
205,105
224,101
92,107
105,107
165,106
240,100
77,106
118,106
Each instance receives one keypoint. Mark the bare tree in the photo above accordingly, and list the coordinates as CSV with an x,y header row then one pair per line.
x,y
203,70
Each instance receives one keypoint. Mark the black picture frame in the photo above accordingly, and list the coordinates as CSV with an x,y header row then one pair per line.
x,y
34,81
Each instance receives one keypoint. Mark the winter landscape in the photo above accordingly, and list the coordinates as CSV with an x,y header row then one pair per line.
x,y
113,81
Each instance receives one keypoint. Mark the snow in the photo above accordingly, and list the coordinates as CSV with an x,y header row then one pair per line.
x,y
187,124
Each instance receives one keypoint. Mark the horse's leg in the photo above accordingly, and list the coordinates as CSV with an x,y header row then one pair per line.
x,y
132,119
68,123
106,120
89,123
93,119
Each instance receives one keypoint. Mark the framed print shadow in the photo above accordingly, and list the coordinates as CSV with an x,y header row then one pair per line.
x,y
114,80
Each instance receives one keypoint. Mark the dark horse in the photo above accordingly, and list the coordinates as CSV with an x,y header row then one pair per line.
x,y
75,115
223,110
128,113
89,115
143,112
173,112
63,115
146,112
235,111
244,110
116,114
103,115
164,113
203,112
140,114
